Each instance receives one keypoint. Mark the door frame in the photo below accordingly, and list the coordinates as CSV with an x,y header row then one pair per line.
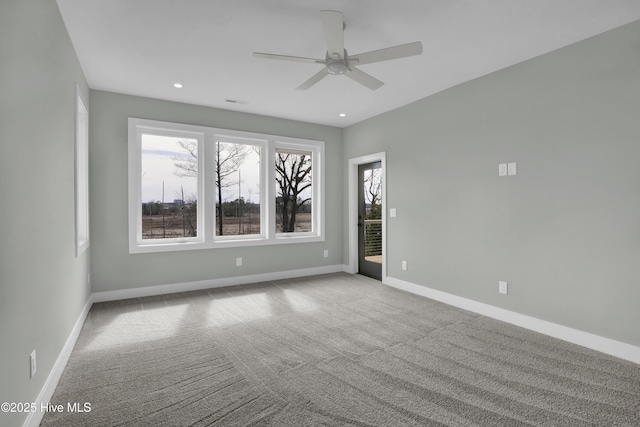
x,y
352,202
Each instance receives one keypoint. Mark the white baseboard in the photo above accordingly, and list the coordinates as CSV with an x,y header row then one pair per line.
x,y
212,283
34,418
346,268
595,342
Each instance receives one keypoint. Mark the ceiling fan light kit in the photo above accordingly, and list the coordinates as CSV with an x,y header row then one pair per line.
x,y
338,62
337,67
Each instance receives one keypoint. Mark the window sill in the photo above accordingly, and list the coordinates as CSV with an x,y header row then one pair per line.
x,y
219,244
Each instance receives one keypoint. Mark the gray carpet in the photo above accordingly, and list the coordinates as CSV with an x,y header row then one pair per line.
x,y
331,350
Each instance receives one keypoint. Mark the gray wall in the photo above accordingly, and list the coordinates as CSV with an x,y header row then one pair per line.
x,y
43,286
565,231
113,268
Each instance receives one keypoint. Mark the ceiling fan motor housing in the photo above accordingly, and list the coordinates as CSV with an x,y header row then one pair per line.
x,y
337,67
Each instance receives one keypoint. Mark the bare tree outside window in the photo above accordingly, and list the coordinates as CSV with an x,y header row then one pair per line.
x,y
187,165
373,193
237,176
293,190
230,158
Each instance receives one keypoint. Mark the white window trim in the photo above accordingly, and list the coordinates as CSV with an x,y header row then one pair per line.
x,y
175,132
81,166
206,205
263,144
317,199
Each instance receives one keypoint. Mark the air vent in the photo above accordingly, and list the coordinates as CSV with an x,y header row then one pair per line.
x,y
235,101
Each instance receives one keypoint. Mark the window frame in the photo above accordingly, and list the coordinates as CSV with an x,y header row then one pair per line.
x,y
206,219
262,143
81,169
316,196
177,133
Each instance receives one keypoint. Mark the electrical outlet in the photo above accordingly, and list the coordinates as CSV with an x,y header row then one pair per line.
x,y
326,253
32,364
502,287
239,262
512,169
404,265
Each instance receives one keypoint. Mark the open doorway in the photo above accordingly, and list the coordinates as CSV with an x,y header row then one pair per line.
x,y
367,219
370,220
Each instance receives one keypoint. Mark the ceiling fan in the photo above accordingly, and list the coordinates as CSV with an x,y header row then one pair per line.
x,y
337,61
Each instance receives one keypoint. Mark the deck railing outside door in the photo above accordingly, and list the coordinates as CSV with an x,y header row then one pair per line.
x,y
372,238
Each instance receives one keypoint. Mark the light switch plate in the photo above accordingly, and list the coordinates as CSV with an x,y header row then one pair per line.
x,y
502,169
239,262
511,168
393,212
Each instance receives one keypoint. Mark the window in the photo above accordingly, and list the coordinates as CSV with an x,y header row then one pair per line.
x,y
81,174
294,190
194,187
169,186
237,183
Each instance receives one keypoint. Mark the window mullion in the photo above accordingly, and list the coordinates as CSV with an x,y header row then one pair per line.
x,y
208,187
269,189
135,196
317,206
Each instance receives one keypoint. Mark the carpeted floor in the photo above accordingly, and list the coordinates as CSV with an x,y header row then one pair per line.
x,y
331,350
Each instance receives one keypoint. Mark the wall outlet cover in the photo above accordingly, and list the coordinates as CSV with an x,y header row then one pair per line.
x,y
502,287
32,364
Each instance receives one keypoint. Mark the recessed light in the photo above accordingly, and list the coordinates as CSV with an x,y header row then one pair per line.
x,y
343,114
177,85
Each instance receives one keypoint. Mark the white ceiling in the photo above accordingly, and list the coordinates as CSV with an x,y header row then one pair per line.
x,y
142,47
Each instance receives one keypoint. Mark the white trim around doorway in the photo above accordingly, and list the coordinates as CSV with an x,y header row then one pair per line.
x,y
352,172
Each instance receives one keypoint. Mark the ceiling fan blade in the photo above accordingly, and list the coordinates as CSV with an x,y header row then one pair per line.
x,y
313,80
395,52
364,78
333,32
288,58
